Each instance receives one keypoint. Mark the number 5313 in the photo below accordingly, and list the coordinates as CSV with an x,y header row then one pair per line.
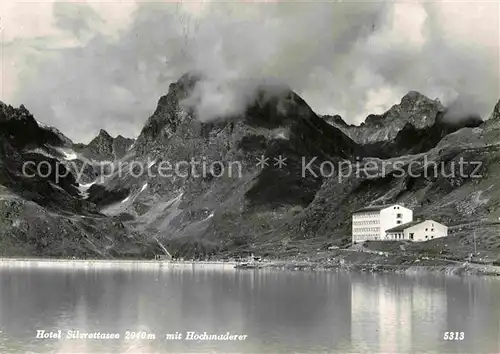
x,y
454,336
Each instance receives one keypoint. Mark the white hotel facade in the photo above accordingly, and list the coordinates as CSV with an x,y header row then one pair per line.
x,y
371,223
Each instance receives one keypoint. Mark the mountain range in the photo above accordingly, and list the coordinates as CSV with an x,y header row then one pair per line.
x,y
264,181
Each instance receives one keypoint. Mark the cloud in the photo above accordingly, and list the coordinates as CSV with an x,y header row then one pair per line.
x,y
76,18
105,65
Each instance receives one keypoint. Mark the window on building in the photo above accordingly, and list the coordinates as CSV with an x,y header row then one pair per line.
x,y
426,229
399,215
432,229
411,236
398,222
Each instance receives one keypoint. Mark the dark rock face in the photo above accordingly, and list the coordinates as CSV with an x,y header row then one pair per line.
x,y
336,121
43,213
411,140
19,136
102,145
100,196
18,126
121,146
168,114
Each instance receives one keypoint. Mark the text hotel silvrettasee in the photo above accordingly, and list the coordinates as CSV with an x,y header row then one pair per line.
x,y
139,335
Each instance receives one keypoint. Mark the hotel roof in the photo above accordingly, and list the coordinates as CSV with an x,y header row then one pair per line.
x,y
403,227
373,208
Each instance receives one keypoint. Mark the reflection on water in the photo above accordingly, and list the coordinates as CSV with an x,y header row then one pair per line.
x,y
279,311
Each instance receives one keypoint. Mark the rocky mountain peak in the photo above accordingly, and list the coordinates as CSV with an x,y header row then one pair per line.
x,y
105,147
415,100
103,138
495,115
415,125
267,104
102,144
9,113
276,107
169,113
22,130
415,110
335,120
104,135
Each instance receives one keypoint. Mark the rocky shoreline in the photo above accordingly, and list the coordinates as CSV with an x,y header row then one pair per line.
x,y
427,266
451,269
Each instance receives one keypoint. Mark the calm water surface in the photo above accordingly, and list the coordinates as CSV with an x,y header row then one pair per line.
x,y
279,311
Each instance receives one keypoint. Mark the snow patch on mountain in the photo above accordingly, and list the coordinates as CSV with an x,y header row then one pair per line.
x,y
41,125
83,188
68,154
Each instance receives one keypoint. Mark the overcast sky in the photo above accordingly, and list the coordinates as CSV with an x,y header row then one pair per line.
x,y
82,66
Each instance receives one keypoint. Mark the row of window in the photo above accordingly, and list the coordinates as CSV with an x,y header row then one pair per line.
x,y
392,236
366,216
398,236
368,222
365,229
401,236
367,237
